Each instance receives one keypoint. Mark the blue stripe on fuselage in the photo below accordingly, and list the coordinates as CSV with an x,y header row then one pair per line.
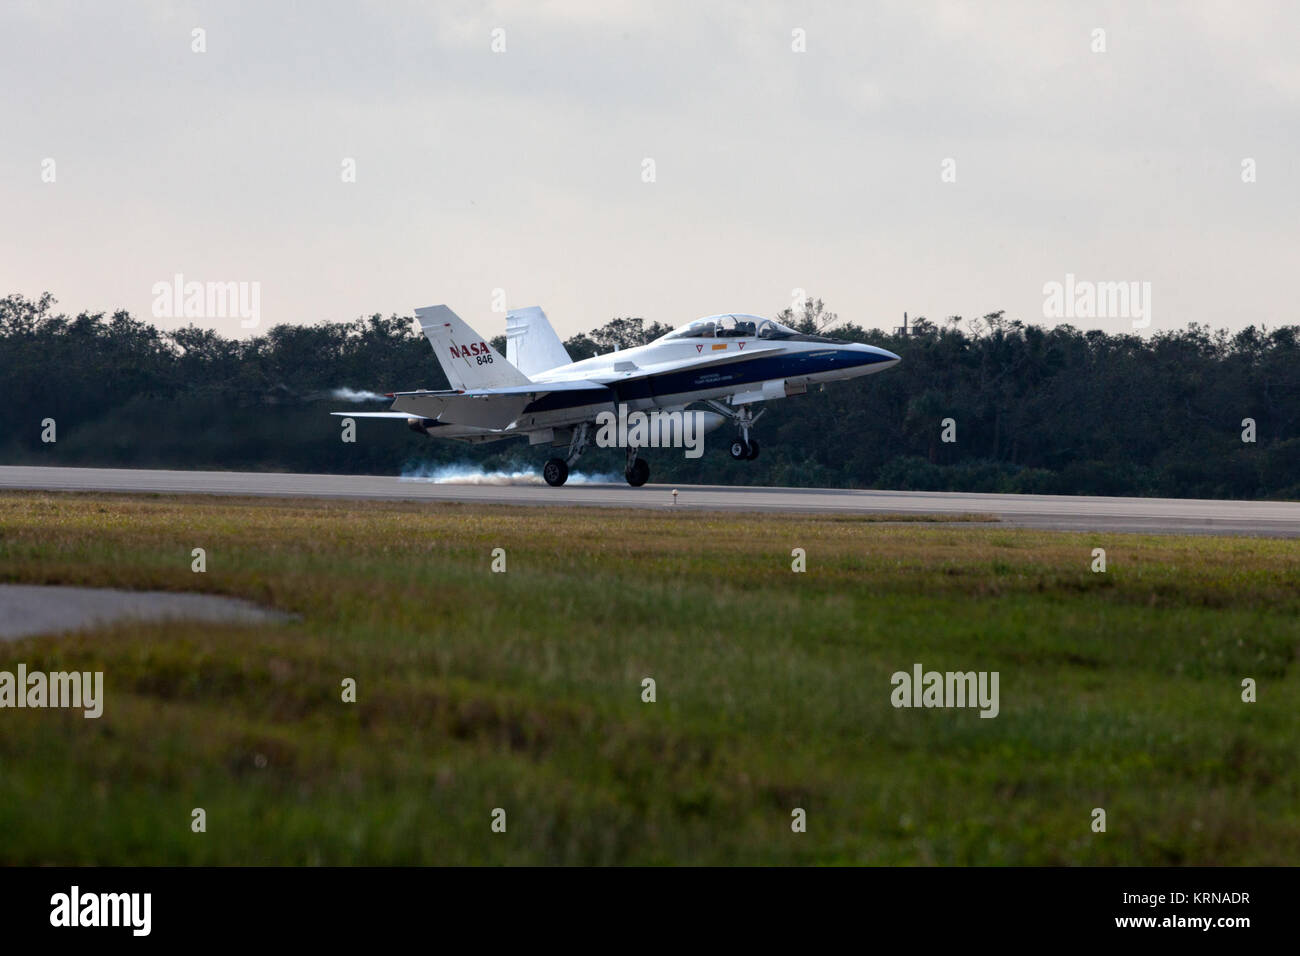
x,y
750,372
569,398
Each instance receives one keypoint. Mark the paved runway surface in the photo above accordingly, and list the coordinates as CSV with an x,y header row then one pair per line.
x,y
1165,515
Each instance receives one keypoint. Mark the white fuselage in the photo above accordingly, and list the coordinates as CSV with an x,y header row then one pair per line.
x,y
672,373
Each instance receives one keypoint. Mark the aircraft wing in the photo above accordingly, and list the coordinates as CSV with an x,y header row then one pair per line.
x,y
402,415
495,407
704,360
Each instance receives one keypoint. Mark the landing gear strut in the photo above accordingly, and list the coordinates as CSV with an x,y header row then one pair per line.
x,y
743,448
556,470
637,472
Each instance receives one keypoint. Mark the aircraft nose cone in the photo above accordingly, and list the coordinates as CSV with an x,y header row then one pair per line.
x,y
890,359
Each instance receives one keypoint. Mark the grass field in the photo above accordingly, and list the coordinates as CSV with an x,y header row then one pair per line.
x,y
523,690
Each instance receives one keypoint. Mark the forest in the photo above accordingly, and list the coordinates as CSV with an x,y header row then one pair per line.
x,y
1176,413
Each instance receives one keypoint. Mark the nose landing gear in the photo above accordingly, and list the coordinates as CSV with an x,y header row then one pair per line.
x,y
743,448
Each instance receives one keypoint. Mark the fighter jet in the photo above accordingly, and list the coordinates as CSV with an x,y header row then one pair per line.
x,y
729,363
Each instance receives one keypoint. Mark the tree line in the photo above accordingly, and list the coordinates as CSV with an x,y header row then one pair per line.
x,y
1185,413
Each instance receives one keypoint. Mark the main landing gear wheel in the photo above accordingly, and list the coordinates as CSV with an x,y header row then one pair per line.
x,y
556,472
739,449
753,449
638,473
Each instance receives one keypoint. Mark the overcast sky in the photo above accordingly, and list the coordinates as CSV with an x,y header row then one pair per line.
x,y
773,170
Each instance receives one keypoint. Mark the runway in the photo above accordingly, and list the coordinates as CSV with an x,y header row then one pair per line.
x,y
1150,515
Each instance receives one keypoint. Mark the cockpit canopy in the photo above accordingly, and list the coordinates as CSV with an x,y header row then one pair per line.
x,y
732,326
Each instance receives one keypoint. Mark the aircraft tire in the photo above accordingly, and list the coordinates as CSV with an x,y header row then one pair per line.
x,y
556,472
753,449
638,474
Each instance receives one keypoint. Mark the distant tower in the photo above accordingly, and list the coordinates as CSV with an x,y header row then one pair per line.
x,y
902,329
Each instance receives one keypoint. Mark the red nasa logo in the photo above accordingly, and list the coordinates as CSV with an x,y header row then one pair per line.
x,y
467,351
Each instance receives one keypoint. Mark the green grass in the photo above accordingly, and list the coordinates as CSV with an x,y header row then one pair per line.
x,y
523,690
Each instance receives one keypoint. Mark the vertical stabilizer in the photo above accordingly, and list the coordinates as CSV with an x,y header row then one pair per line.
x,y
531,344
466,357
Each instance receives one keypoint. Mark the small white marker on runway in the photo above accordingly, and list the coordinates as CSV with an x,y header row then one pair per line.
x,y
674,496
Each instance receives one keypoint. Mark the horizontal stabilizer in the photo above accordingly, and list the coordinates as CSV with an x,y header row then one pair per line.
x,y
532,388
497,407
401,415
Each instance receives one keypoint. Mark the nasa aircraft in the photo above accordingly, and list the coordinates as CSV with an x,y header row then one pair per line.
x,y
728,362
